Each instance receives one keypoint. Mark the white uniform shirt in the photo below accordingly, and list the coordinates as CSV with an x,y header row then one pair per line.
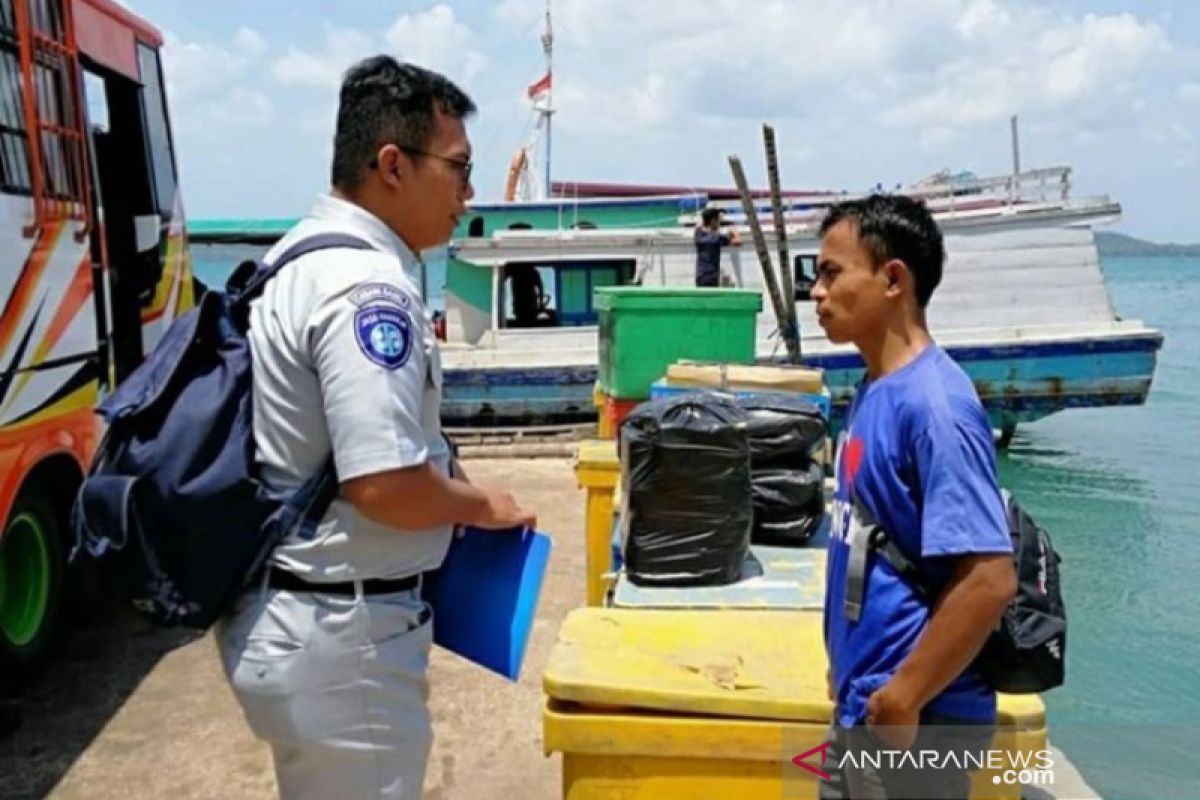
x,y
345,359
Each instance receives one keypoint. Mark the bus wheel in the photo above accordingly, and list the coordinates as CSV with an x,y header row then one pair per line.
x,y
31,573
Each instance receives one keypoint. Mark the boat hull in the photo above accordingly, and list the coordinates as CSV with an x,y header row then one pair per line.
x,y
1018,381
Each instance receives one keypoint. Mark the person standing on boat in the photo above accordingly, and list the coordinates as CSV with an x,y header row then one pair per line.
x,y
917,460
328,656
709,241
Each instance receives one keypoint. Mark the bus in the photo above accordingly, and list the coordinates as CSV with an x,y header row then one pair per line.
x,y
93,268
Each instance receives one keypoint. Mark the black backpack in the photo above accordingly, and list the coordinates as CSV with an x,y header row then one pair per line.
x,y
172,506
1027,652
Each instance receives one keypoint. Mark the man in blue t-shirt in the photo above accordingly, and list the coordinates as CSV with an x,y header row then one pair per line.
x,y
917,459
709,241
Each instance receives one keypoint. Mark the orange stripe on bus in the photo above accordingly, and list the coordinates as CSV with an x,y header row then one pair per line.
x,y
31,275
77,294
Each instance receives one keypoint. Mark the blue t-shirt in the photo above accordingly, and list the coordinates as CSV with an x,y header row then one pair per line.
x,y
708,256
918,451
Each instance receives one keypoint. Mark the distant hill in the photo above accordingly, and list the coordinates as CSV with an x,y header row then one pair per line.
x,y
1118,244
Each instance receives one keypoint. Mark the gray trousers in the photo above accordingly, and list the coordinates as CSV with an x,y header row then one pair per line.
x,y
861,780
337,687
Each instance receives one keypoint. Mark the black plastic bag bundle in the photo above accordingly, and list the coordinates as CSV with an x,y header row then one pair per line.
x,y
788,504
687,493
783,429
785,433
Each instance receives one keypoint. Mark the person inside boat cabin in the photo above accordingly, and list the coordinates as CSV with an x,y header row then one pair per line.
x,y
916,463
530,304
709,241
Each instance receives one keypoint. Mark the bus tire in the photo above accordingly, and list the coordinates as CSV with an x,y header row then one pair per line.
x,y
32,564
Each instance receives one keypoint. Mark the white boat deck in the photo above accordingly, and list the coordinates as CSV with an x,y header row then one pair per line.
x,y
1006,280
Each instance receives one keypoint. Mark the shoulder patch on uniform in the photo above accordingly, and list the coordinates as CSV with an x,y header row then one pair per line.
x,y
370,294
384,334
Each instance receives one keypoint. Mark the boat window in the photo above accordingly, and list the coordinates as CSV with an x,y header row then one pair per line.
x,y
559,294
158,133
805,275
475,228
529,297
575,295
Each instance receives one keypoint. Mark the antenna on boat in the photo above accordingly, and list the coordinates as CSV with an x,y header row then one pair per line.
x,y
1016,156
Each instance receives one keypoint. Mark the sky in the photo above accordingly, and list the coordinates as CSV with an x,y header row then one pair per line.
x,y
859,92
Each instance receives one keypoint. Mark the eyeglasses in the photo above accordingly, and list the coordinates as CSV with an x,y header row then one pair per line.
x,y
464,167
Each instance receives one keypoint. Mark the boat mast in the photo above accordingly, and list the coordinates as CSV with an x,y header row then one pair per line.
x,y
1015,183
547,110
524,181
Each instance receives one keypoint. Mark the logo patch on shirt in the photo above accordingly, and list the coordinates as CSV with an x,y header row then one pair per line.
x,y
385,335
380,293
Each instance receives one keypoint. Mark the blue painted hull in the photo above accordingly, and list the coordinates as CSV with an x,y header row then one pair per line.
x,y
1017,383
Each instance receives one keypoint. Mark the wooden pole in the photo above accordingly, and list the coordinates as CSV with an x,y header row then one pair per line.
x,y
792,329
764,258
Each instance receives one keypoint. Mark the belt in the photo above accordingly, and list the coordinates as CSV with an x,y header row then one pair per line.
x,y
291,582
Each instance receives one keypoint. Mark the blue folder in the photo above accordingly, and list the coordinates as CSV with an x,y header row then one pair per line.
x,y
485,594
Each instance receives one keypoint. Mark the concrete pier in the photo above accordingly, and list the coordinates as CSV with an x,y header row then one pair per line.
x,y
128,711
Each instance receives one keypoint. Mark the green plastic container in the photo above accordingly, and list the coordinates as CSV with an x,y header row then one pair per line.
x,y
643,330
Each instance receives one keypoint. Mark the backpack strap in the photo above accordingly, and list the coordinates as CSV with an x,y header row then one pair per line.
x,y
306,245
305,506
868,536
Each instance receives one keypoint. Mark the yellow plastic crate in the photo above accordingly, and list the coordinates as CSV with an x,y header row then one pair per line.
x,y
691,705
597,471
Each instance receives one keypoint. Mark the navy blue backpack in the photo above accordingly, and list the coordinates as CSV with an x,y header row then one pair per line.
x,y
172,506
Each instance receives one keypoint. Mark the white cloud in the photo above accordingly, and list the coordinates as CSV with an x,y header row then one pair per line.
x,y
241,108
436,40
209,85
250,42
1049,67
1086,57
943,63
323,69
636,110
940,63
859,93
981,19
432,38
201,69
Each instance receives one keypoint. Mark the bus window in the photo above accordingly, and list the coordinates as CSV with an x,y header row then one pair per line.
x,y
96,102
158,134
14,141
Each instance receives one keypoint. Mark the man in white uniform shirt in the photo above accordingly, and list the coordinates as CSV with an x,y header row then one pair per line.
x,y
328,656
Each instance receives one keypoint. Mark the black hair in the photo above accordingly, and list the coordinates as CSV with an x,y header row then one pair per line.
x,y
710,215
383,101
893,226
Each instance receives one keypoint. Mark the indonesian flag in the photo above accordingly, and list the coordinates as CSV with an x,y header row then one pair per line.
x,y
539,87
